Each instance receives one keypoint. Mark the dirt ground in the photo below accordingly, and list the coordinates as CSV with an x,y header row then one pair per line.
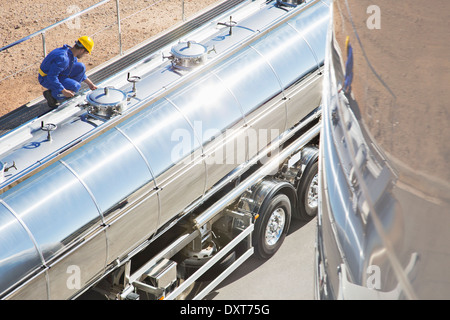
x,y
140,20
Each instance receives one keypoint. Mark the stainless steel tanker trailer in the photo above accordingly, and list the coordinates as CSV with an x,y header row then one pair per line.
x,y
176,170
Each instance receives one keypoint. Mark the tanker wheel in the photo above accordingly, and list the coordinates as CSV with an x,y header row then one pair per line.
x,y
272,226
308,193
191,265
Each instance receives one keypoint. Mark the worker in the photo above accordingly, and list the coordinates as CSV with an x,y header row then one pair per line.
x,y
62,74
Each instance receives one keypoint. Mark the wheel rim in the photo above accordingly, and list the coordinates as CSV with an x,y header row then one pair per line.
x,y
275,226
313,192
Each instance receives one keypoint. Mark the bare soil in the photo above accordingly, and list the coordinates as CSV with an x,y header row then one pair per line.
x,y
140,20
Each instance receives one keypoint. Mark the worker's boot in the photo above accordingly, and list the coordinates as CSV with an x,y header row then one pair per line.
x,y
51,101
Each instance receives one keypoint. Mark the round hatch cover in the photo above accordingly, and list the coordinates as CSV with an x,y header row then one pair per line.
x,y
188,49
106,97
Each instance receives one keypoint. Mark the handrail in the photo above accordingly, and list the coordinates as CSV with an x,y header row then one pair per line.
x,y
42,31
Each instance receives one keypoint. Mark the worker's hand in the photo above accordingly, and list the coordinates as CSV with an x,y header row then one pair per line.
x,y
68,93
90,84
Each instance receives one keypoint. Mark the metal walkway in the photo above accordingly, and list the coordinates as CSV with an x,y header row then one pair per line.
x,y
29,112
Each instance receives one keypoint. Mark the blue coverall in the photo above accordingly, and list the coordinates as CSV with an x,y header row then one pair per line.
x,y
60,70
349,70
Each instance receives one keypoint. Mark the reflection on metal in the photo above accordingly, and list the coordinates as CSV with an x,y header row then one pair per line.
x,y
365,181
380,207
128,159
290,3
351,291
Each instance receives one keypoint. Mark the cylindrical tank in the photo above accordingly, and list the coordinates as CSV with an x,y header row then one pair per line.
x,y
63,227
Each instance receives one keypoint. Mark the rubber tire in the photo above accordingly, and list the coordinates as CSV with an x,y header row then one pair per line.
x,y
304,211
191,265
262,249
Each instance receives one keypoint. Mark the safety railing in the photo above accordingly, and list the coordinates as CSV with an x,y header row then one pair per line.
x,y
44,30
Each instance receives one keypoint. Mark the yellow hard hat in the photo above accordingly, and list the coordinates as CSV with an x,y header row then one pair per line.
x,y
87,43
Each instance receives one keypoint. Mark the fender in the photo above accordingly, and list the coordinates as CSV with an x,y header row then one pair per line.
x,y
257,198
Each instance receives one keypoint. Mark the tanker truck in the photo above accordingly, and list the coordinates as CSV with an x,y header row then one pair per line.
x,y
193,154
